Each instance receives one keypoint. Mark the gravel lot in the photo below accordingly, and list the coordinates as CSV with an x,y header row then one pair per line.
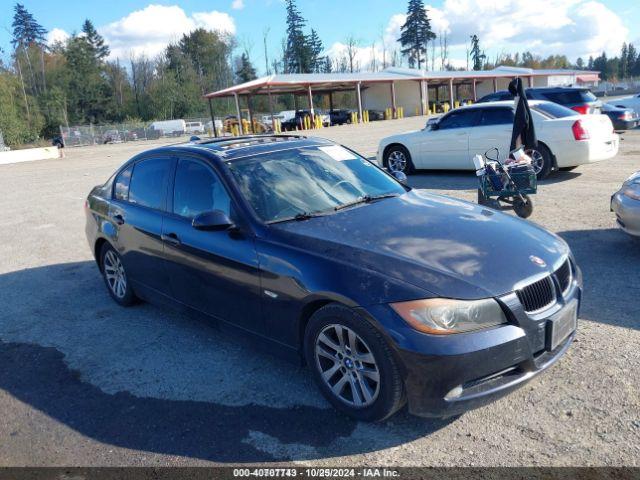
x,y
85,382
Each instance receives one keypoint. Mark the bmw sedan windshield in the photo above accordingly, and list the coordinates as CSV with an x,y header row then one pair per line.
x,y
297,183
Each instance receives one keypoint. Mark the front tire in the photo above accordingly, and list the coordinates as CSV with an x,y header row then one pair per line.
x,y
115,276
398,159
352,364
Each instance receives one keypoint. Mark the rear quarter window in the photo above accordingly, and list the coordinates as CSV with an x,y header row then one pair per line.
x,y
554,110
121,187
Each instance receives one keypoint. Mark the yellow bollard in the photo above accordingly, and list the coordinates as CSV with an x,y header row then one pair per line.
x,y
457,103
445,107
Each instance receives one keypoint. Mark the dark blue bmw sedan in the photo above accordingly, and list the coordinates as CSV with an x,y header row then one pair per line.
x,y
390,295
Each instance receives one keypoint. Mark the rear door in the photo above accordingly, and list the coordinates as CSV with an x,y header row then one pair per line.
x,y
137,211
493,131
447,147
215,272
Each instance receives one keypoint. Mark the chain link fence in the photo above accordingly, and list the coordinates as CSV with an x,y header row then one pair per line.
x,y
82,135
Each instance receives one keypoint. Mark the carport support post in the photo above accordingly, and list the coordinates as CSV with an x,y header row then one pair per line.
x,y
213,118
238,116
451,93
393,100
426,96
495,84
475,92
359,94
250,113
530,81
330,101
310,99
273,120
421,97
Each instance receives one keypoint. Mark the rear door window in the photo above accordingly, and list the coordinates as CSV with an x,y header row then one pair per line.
x,y
496,116
149,182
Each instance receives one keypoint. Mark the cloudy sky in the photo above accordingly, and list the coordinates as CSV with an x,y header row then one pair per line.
x,y
572,27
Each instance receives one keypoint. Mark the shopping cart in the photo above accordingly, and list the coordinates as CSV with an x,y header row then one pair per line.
x,y
505,187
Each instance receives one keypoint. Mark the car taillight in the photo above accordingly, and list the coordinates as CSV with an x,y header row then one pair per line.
x,y
583,109
625,116
579,132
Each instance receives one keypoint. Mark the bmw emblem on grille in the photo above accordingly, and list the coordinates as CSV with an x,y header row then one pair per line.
x,y
538,261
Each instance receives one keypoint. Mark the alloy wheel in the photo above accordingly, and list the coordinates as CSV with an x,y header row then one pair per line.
x,y
397,161
347,366
537,160
115,275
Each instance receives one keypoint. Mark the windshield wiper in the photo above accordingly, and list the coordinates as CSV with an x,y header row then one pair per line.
x,y
300,216
364,199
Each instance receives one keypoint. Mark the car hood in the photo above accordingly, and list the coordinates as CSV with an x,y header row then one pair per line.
x,y
447,247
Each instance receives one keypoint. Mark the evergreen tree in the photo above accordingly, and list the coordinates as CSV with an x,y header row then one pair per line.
x,y
245,72
580,63
314,44
590,63
296,55
623,65
633,61
416,33
95,40
478,57
26,30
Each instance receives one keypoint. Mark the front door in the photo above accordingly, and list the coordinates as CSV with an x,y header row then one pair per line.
x,y
215,272
447,147
493,131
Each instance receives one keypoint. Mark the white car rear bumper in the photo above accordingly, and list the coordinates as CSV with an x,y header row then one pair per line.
x,y
575,153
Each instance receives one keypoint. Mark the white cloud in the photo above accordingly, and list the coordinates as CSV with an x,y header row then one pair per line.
x,y
57,35
237,4
150,30
567,27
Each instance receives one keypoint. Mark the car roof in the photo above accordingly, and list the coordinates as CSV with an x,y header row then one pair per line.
x,y
233,148
501,103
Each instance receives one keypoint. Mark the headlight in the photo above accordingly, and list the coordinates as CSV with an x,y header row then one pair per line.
x,y
632,191
442,316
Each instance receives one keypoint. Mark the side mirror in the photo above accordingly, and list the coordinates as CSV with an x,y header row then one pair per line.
x,y
400,176
433,126
214,220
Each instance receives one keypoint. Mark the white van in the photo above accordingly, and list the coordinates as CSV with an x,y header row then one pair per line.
x,y
170,127
194,127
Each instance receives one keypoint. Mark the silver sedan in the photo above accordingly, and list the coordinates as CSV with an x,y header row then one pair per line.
x,y
626,205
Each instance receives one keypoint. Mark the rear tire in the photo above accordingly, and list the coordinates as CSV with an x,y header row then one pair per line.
x,y
352,364
115,277
398,159
542,161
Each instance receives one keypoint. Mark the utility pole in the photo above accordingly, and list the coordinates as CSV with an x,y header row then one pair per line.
x,y
265,34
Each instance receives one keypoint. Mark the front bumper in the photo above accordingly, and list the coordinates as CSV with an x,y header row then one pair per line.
x,y
449,375
627,212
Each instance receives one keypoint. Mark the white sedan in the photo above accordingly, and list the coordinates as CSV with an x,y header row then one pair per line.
x,y
566,139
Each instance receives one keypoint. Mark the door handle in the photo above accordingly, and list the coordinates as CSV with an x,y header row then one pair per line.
x,y
171,239
119,219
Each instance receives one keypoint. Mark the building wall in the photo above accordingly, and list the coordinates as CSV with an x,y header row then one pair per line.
x,y
378,96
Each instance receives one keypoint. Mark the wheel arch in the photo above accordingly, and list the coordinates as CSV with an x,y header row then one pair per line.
x,y
97,248
390,146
